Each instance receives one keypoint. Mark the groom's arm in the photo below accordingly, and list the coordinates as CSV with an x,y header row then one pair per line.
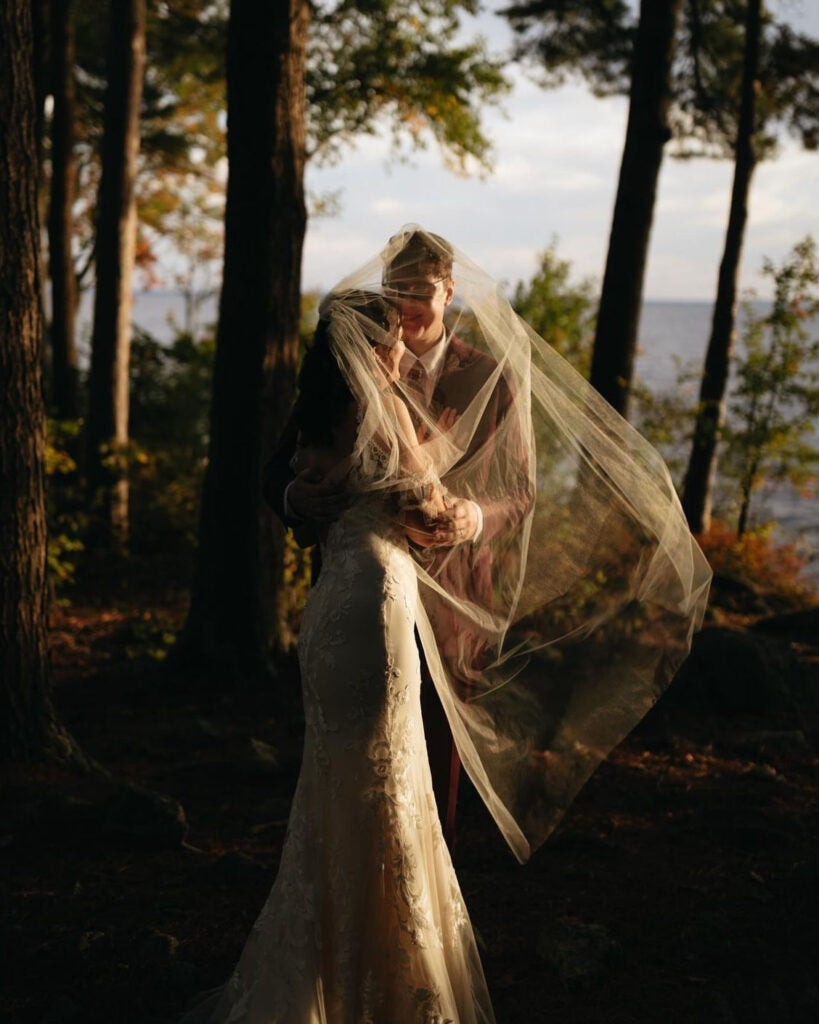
x,y
277,474
480,518
278,478
300,500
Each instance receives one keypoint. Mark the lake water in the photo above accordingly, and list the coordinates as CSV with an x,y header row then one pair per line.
x,y
670,333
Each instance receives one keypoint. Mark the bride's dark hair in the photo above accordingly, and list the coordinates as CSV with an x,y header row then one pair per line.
x,y
323,394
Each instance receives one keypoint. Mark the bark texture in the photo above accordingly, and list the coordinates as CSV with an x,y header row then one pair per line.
x,y
107,424
41,33
647,132
702,466
236,618
28,726
60,220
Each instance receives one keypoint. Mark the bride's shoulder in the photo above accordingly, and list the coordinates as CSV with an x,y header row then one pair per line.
x,y
396,403
402,416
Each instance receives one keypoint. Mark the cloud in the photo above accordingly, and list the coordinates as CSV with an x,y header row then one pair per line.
x,y
389,206
557,158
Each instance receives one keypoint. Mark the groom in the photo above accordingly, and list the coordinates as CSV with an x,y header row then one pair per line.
x,y
447,373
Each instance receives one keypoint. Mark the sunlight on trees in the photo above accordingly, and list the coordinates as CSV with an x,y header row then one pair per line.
x,y
771,434
561,310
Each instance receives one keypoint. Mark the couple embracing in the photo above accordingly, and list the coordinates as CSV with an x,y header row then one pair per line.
x,y
498,548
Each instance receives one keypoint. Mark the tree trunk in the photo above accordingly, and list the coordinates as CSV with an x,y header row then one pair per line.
x,y
702,466
742,522
28,726
107,425
618,318
60,222
41,29
236,616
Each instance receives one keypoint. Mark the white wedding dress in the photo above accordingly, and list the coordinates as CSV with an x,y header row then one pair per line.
x,y
365,923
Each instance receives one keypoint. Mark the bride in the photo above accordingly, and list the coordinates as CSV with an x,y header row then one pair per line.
x,y
547,637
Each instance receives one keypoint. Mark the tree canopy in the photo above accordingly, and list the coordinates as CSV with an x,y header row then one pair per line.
x,y
564,39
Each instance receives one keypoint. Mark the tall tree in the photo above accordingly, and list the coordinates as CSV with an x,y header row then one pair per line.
x,y
602,43
618,317
779,82
257,338
302,80
107,423
64,367
702,466
29,729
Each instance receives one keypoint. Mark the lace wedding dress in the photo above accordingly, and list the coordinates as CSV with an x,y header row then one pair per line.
x,y
365,923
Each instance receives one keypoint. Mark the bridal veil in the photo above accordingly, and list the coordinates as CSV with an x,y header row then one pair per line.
x,y
550,636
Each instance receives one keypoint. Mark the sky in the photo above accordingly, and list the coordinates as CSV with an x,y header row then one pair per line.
x,y
556,161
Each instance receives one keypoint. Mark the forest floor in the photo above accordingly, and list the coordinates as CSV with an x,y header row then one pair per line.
x,y
682,887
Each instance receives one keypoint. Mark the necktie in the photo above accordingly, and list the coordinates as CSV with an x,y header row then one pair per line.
x,y
416,384
417,381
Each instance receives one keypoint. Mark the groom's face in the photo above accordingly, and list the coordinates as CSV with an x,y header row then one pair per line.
x,y
423,298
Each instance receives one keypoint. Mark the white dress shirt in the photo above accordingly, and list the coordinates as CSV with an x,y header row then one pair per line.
x,y
432,361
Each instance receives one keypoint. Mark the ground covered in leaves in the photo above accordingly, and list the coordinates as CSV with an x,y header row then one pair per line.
x,y
682,886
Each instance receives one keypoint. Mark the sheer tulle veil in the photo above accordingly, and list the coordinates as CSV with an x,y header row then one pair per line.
x,y
554,633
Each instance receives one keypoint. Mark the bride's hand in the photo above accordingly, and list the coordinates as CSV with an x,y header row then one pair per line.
x,y
418,529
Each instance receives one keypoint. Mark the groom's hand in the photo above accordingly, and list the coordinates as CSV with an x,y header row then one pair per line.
x,y
457,524
313,498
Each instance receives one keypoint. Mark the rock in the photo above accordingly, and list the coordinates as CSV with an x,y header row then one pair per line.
x,y
737,595
581,954
151,818
801,626
236,866
732,673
